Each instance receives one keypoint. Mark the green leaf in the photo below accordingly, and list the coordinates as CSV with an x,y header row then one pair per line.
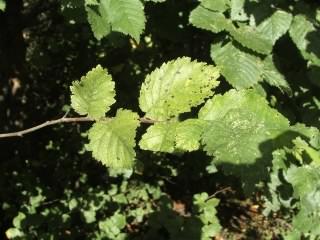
x,y
249,37
241,129
204,18
237,10
127,16
188,134
275,26
176,87
99,18
241,69
159,137
2,5
112,142
306,37
273,76
217,5
171,136
93,94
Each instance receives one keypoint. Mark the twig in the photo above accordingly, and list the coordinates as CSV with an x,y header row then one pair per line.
x,y
226,189
64,119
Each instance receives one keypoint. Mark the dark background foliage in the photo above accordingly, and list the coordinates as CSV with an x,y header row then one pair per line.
x,y
43,48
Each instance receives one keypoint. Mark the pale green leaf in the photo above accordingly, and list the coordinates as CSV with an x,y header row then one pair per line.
x,y
93,94
188,134
237,10
275,26
2,5
204,18
112,142
176,87
241,69
127,16
250,38
99,18
306,37
216,5
241,129
273,76
159,137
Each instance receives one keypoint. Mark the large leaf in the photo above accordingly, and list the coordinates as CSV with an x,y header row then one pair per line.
x,y
93,94
207,19
125,16
273,76
275,26
241,69
112,142
306,37
240,133
176,87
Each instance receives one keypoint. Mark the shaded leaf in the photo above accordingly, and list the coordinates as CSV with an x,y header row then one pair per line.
x,y
273,76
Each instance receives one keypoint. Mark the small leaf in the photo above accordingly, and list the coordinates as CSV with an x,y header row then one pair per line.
x,y
112,142
176,87
159,137
93,94
241,69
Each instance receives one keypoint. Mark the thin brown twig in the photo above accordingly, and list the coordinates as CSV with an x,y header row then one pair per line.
x,y
57,121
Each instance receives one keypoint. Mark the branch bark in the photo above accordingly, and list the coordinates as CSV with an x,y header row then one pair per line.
x,y
58,121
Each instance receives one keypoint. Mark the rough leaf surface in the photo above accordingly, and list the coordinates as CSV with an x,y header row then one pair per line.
x,y
250,38
275,26
93,94
159,137
241,69
125,16
207,19
240,132
176,87
112,142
